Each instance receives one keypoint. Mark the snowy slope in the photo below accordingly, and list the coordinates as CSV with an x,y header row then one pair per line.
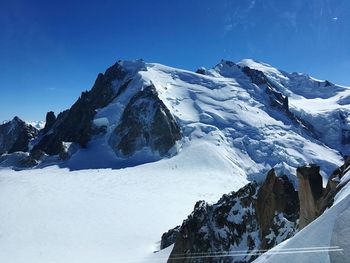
x,y
228,113
324,105
57,215
325,240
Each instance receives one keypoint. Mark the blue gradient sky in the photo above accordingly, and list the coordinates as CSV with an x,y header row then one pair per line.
x,y
50,51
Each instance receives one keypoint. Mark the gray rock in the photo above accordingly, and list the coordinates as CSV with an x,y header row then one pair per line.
x,y
146,122
310,193
75,124
253,218
169,237
15,136
275,98
50,121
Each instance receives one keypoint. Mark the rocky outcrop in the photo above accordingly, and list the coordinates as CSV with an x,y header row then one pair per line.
x,y
277,194
255,218
169,237
314,199
239,224
275,98
75,124
310,193
344,117
15,136
201,71
256,76
146,122
50,121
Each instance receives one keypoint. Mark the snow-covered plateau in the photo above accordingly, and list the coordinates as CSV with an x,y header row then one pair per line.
x,y
103,180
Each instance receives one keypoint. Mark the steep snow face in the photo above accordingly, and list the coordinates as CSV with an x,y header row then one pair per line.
x,y
322,104
233,115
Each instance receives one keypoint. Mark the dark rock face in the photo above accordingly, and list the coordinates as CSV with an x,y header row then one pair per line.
x,y
146,122
75,124
50,121
276,99
310,193
345,136
253,218
277,194
314,199
169,237
201,71
15,136
334,185
256,76
345,132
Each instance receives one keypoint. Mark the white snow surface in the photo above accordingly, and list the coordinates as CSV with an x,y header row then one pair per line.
x,y
37,124
105,215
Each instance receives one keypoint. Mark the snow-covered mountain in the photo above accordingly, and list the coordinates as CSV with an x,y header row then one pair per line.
x,y
180,136
138,112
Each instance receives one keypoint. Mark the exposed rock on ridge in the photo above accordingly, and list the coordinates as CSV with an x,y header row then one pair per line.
x,y
15,136
277,194
255,217
75,124
276,99
146,122
310,193
314,199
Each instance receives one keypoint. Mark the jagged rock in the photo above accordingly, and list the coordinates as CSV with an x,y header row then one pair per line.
x,y
50,121
201,71
253,218
276,99
333,185
75,124
15,136
310,193
277,194
314,199
256,76
169,237
146,121
328,83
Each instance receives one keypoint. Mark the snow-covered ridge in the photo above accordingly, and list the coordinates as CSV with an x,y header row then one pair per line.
x,y
321,103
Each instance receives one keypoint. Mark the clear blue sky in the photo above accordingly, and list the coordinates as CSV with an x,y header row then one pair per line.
x,y
50,51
